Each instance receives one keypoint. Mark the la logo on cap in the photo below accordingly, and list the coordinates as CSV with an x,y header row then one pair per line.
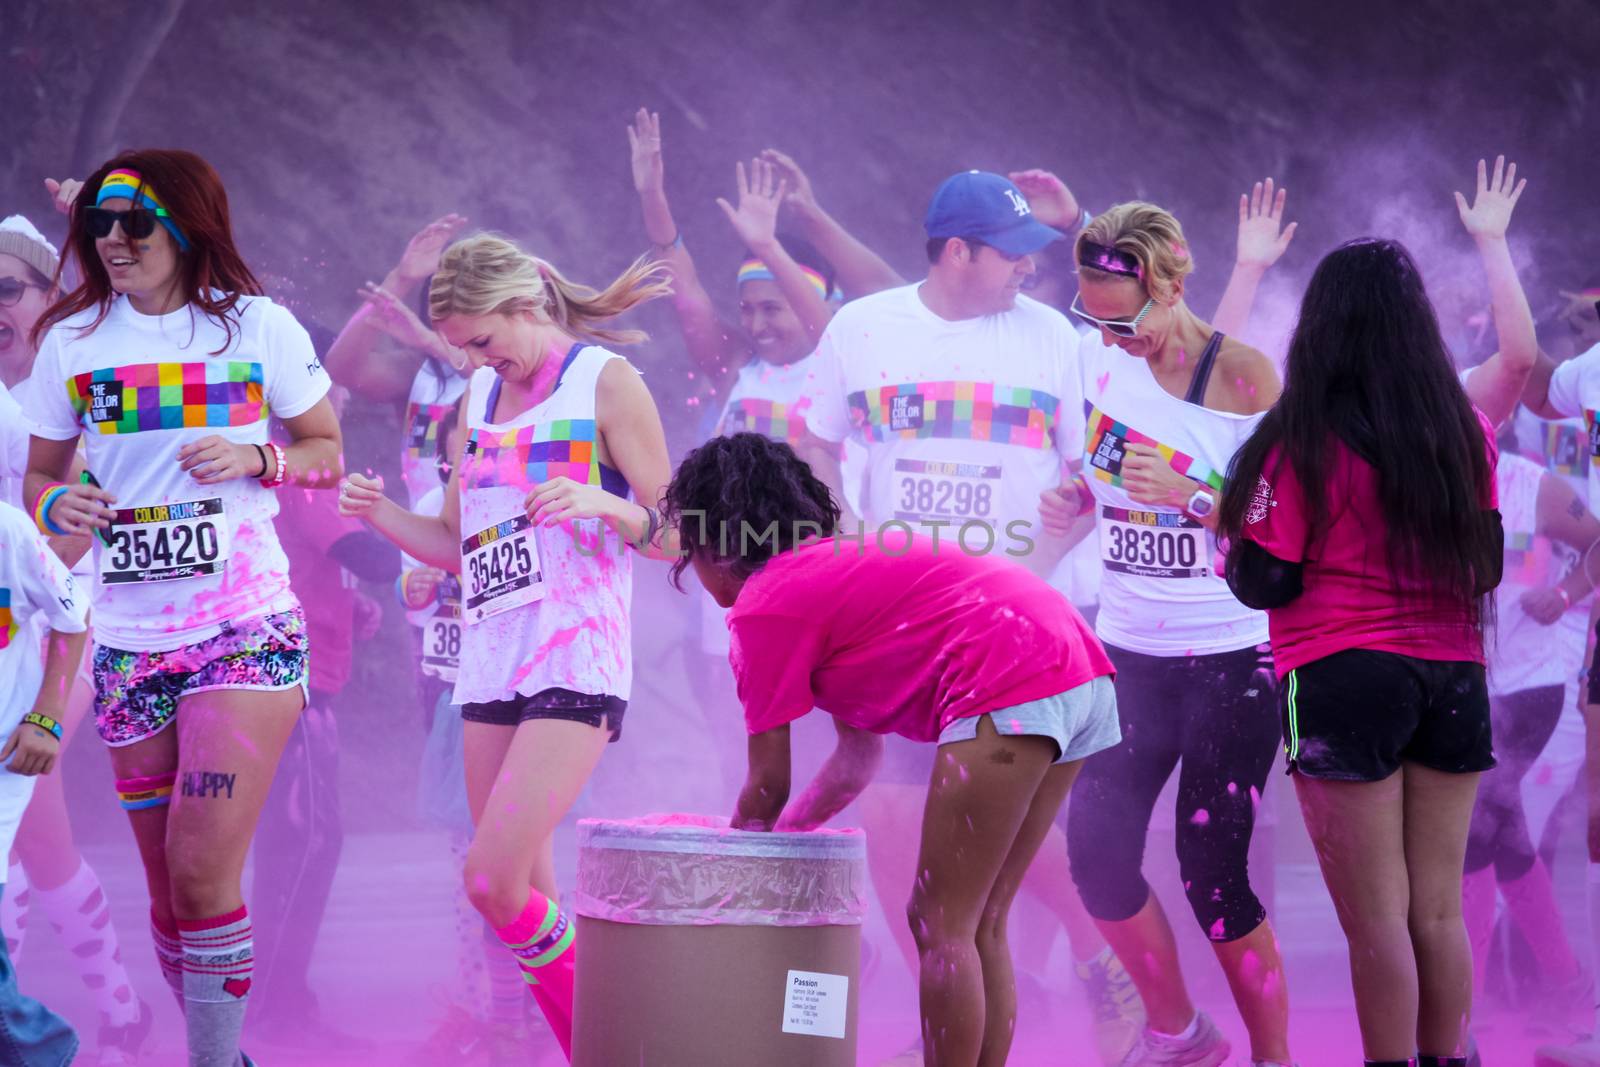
x,y
1018,204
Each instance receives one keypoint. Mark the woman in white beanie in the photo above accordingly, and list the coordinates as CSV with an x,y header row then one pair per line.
x,y
52,876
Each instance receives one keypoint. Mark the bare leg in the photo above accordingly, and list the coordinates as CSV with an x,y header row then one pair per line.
x,y
1438,812
980,797
1358,830
1254,969
1147,948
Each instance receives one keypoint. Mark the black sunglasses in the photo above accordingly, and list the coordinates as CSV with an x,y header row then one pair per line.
x,y
137,223
11,290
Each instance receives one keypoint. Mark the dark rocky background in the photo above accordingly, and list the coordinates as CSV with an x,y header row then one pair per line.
x,y
341,126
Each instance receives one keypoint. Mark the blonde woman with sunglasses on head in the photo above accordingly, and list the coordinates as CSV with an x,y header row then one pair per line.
x,y
1169,400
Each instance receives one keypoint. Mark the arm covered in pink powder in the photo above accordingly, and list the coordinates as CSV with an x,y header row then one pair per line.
x,y
847,771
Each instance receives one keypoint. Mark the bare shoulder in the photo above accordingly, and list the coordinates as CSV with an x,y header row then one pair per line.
x,y
1245,381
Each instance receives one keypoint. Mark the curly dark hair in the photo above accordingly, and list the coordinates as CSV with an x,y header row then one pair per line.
x,y
742,499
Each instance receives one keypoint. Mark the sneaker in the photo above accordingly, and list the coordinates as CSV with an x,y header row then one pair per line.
x,y
1207,1048
457,1039
120,1045
506,1045
911,1056
1569,1007
1583,1054
1114,1002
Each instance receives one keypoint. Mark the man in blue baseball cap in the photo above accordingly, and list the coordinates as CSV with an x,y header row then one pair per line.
x,y
966,395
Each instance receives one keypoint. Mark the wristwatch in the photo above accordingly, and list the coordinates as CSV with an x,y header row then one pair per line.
x,y
1200,504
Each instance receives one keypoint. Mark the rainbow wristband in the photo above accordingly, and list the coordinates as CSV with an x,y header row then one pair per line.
x,y
41,508
152,791
43,722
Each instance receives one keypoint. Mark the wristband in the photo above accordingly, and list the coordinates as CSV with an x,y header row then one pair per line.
x,y
676,242
41,508
282,469
1085,494
44,722
1566,598
652,527
262,473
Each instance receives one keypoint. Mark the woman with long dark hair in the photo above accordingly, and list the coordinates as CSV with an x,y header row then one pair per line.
x,y
168,361
1361,516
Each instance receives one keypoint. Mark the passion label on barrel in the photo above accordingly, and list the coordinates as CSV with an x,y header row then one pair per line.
x,y
814,1003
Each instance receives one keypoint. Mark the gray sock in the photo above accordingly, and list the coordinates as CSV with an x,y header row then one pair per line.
x,y
217,963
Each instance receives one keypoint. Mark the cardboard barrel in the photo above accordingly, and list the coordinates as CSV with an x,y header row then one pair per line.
x,y
703,946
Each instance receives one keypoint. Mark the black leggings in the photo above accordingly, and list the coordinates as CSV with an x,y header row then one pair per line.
x,y
1521,724
1216,714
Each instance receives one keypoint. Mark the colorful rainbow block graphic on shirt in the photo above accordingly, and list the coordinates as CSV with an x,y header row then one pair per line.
x,y
526,456
967,411
8,625
1530,560
1108,438
422,428
769,418
1564,447
1591,428
169,396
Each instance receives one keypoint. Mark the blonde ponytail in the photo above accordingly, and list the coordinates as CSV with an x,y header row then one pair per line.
x,y
487,274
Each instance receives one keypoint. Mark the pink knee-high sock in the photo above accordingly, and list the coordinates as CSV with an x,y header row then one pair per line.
x,y
542,940
1477,908
1531,900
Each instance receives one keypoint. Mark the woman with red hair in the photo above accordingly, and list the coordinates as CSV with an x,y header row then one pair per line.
x,y
167,359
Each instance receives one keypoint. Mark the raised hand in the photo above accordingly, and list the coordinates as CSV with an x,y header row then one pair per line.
x,y
644,144
421,257
63,193
760,194
395,317
1262,235
1052,202
1494,200
800,197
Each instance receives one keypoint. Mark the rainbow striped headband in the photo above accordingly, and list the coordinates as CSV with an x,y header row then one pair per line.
x,y
129,184
754,270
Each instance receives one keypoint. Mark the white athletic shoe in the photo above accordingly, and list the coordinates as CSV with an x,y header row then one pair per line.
x,y
1114,1002
1207,1048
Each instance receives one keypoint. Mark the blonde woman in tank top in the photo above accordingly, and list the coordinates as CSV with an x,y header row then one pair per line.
x,y
538,520
1169,399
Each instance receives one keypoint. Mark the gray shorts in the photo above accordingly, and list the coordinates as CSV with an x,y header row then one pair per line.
x,y
1081,721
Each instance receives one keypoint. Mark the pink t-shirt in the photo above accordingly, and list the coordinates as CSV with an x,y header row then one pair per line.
x,y
1350,598
899,638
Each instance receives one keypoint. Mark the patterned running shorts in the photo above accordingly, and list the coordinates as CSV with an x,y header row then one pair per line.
x,y
136,693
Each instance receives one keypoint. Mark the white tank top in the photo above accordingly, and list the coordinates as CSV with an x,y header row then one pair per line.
x,y
431,399
578,634
1161,594
1525,654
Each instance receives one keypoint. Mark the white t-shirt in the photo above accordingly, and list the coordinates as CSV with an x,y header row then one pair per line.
x,y
1160,594
183,557
36,594
431,399
964,422
13,448
1526,654
1575,393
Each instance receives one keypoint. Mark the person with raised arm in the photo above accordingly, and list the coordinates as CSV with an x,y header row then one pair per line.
x,y
1361,515
560,433
167,362
1169,400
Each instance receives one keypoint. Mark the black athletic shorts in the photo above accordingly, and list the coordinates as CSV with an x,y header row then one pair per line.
x,y
1357,715
565,704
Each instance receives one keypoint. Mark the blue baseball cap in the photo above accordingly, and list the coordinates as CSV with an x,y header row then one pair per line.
x,y
989,208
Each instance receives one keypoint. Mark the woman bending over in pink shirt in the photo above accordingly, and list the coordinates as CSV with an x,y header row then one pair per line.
x,y
908,636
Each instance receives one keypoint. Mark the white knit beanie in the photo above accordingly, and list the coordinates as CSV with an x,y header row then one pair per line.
x,y
19,238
